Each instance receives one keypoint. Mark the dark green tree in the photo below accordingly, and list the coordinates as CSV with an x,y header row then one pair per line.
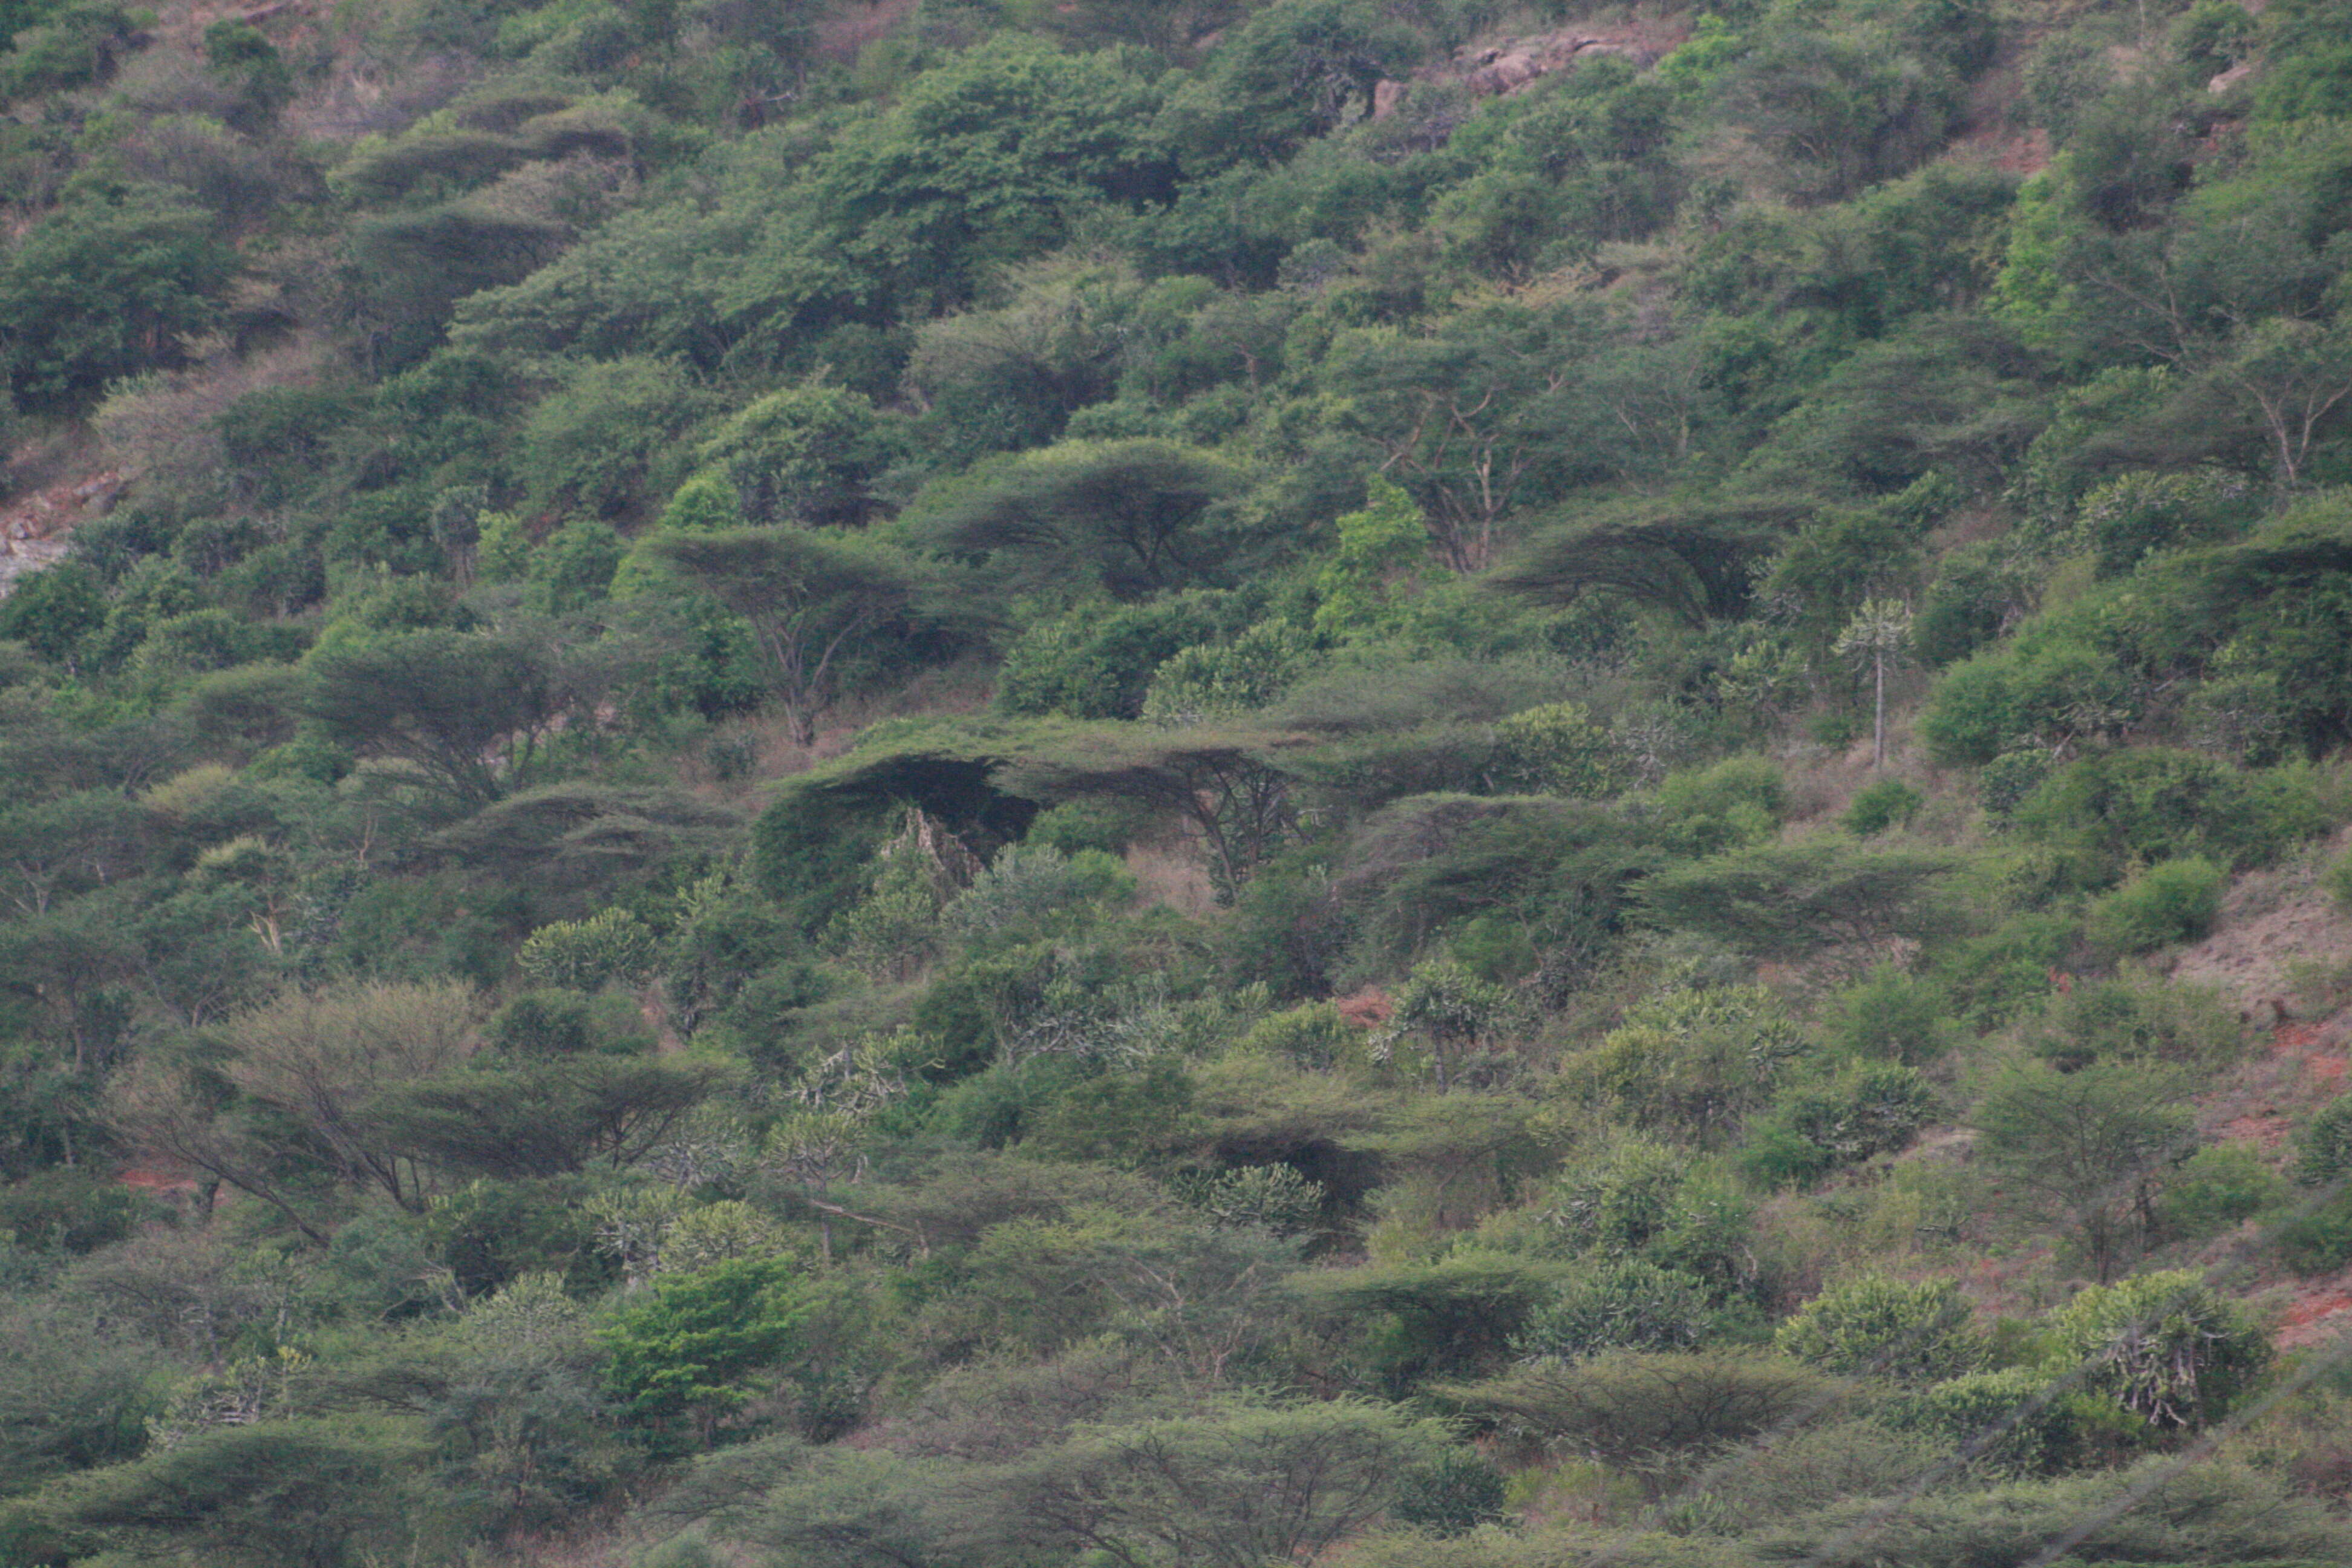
x,y
105,288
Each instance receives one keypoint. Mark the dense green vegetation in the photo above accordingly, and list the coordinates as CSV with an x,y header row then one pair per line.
x,y
973,786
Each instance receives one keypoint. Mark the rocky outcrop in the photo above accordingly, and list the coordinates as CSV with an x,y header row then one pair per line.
x,y
1497,70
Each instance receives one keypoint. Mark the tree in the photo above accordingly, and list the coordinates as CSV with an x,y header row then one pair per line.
x,y
689,1354
68,844
1690,557
466,710
986,160
2296,374
52,611
1651,1412
807,454
1239,1486
2088,1147
1787,900
1451,1008
1291,73
274,1494
1224,783
321,1059
1477,415
1877,635
1130,513
811,599
103,289
519,1120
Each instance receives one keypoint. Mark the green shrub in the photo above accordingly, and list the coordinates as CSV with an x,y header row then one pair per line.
x,y
2175,901
2009,780
686,1356
1451,1495
559,1022
2216,1189
2139,1018
69,1209
2338,880
2145,802
2324,1145
612,946
1889,803
1910,1330
1994,977
105,289
2166,1347
1626,1305
1648,1411
1737,802
1890,1016
1813,1129
2015,1421
1312,1035
1104,823
2318,1240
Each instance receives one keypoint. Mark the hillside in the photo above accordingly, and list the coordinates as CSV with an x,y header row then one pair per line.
x,y
1384,783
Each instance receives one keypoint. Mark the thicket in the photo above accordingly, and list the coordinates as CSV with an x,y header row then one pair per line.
x,y
1054,785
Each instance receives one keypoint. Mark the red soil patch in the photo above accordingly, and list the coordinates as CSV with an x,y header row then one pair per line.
x,y
2264,1130
841,36
2317,1315
161,1183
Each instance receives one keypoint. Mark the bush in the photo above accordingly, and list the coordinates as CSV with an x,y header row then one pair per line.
x,y
1313,1036
2009,780
1995,977
69,1209
2216,1189
1627,1305
1889,1017
612,946
2175,901
1735,803
2015,1421
1869,1108
1910,1330
2139,1019
2319,1239
1889,803
2147,801
2323,1146
1028,892
2336,879
2166,1347
1646,1410
559,1021
1451,1495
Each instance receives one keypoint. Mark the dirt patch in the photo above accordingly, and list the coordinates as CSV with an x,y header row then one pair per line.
x,y
2316,1313
1173,874
162,1184
2267,1130
2270,921
843,34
